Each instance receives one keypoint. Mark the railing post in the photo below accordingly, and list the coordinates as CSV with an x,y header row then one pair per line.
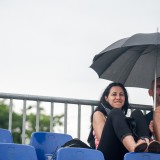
x,y
37,116
24,123
79,121
10,115
65,117
92,109
51,117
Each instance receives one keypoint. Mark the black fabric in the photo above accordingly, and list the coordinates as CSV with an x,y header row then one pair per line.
x,y
91,139
119,122
116,128
76,143
142,128
101,108
149,117
132,126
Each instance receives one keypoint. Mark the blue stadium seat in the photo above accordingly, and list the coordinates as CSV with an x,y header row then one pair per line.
x,y
12,151
79,154
141,156
5,136
47,142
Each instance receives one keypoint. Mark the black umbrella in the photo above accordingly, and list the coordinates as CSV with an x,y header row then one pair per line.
x,y
133,61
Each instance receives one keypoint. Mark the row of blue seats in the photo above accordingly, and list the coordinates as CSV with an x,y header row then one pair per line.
x,y
42,143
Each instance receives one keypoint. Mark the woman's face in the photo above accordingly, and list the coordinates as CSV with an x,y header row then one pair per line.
x,y
116,97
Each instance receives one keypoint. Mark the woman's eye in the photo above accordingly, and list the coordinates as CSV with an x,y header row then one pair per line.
x,y
115,94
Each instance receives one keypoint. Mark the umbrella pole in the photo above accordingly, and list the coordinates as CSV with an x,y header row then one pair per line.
x,y
155,84
155,78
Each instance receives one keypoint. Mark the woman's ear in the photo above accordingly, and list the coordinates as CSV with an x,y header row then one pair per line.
x,y
106,98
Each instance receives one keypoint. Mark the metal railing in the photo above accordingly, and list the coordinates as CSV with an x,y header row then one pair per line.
x,y
53,100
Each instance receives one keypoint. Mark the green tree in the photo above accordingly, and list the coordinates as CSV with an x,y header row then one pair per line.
x,y
30,122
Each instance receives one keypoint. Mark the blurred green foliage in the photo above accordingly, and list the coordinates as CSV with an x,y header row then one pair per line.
x,y
30,122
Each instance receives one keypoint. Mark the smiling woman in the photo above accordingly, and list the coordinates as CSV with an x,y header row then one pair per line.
x,y
110,131
116,97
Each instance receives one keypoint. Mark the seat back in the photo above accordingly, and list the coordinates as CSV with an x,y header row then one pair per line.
x,y
141,156
79,154
5,136
47,142
12,151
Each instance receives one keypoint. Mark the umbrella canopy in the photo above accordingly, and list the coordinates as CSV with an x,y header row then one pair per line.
x,y
131,61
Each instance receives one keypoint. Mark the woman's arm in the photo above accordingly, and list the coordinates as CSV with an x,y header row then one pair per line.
x,y
98,123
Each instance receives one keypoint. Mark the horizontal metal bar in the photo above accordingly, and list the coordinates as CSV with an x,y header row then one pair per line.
x,y
47,99
64,100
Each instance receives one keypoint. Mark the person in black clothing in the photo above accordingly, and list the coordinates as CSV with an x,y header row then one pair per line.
x,y
110,132
153,118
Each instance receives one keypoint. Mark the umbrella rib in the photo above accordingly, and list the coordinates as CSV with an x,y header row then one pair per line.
x,y
120,54
141,53
129,70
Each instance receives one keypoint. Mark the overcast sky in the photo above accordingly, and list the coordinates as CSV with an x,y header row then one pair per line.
x,y
47,46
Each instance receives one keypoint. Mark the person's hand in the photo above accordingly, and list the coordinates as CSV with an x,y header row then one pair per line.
x,y
151,127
